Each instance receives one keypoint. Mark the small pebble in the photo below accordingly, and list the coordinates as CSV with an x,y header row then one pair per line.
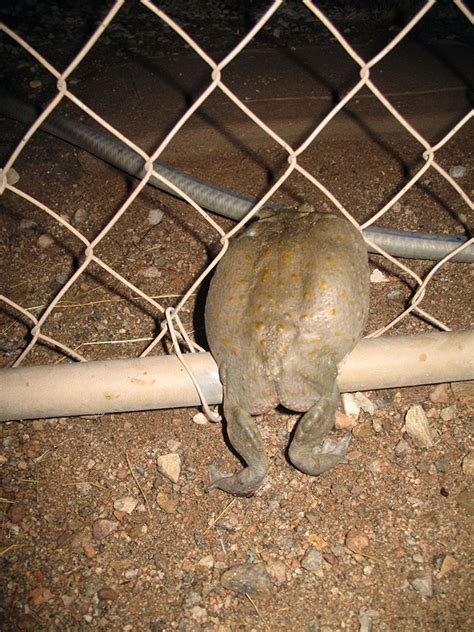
x,y
35,84
152,272
89,550
67,600
198,614
62,278
468,464
40,595
170,466
126,504
465,500
402,448
173,445
378,277
200,419
440,394
449,413
104,528
375,467
291,422
16,512
84,488
252,579
457,171
230,522
44,241
312,560
376,425
363,430
344,422
80,216
330,557
350,405
417,426
13,176
356,541
365,403
206,562
365,622
319,542
422,582
394,295
191,599
107,594
354,455
448,565
154,217
277,571
166,502
28,224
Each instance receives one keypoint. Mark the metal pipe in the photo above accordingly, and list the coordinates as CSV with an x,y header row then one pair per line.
x,y
161,381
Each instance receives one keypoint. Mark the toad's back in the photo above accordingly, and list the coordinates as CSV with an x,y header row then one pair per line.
x,y
287,302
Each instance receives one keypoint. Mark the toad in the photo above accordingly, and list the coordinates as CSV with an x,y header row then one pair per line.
x,y
287,303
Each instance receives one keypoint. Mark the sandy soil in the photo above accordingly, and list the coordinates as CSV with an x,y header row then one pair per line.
x,y
94,535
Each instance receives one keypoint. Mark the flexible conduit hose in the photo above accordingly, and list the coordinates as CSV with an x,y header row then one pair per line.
x,y
228,204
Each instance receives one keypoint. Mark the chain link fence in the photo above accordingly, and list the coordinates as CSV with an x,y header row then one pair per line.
x,y
17,315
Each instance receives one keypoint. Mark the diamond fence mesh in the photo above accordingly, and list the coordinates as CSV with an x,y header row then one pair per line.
x,y
71,300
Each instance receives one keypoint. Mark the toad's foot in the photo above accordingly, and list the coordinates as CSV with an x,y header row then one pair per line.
x,y
315,460
243,483
246,440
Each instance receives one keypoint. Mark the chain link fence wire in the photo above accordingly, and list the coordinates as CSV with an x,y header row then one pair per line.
x,y
171,327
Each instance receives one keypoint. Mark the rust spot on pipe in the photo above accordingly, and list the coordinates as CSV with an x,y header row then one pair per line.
x,y
109,396
136,380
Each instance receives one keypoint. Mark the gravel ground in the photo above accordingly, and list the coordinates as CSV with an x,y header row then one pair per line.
x,y
107,521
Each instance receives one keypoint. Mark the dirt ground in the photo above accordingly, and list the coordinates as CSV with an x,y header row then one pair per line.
x,y
94,534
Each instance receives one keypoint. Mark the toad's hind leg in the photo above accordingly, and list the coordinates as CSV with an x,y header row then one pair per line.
x,y
311,451
246,439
